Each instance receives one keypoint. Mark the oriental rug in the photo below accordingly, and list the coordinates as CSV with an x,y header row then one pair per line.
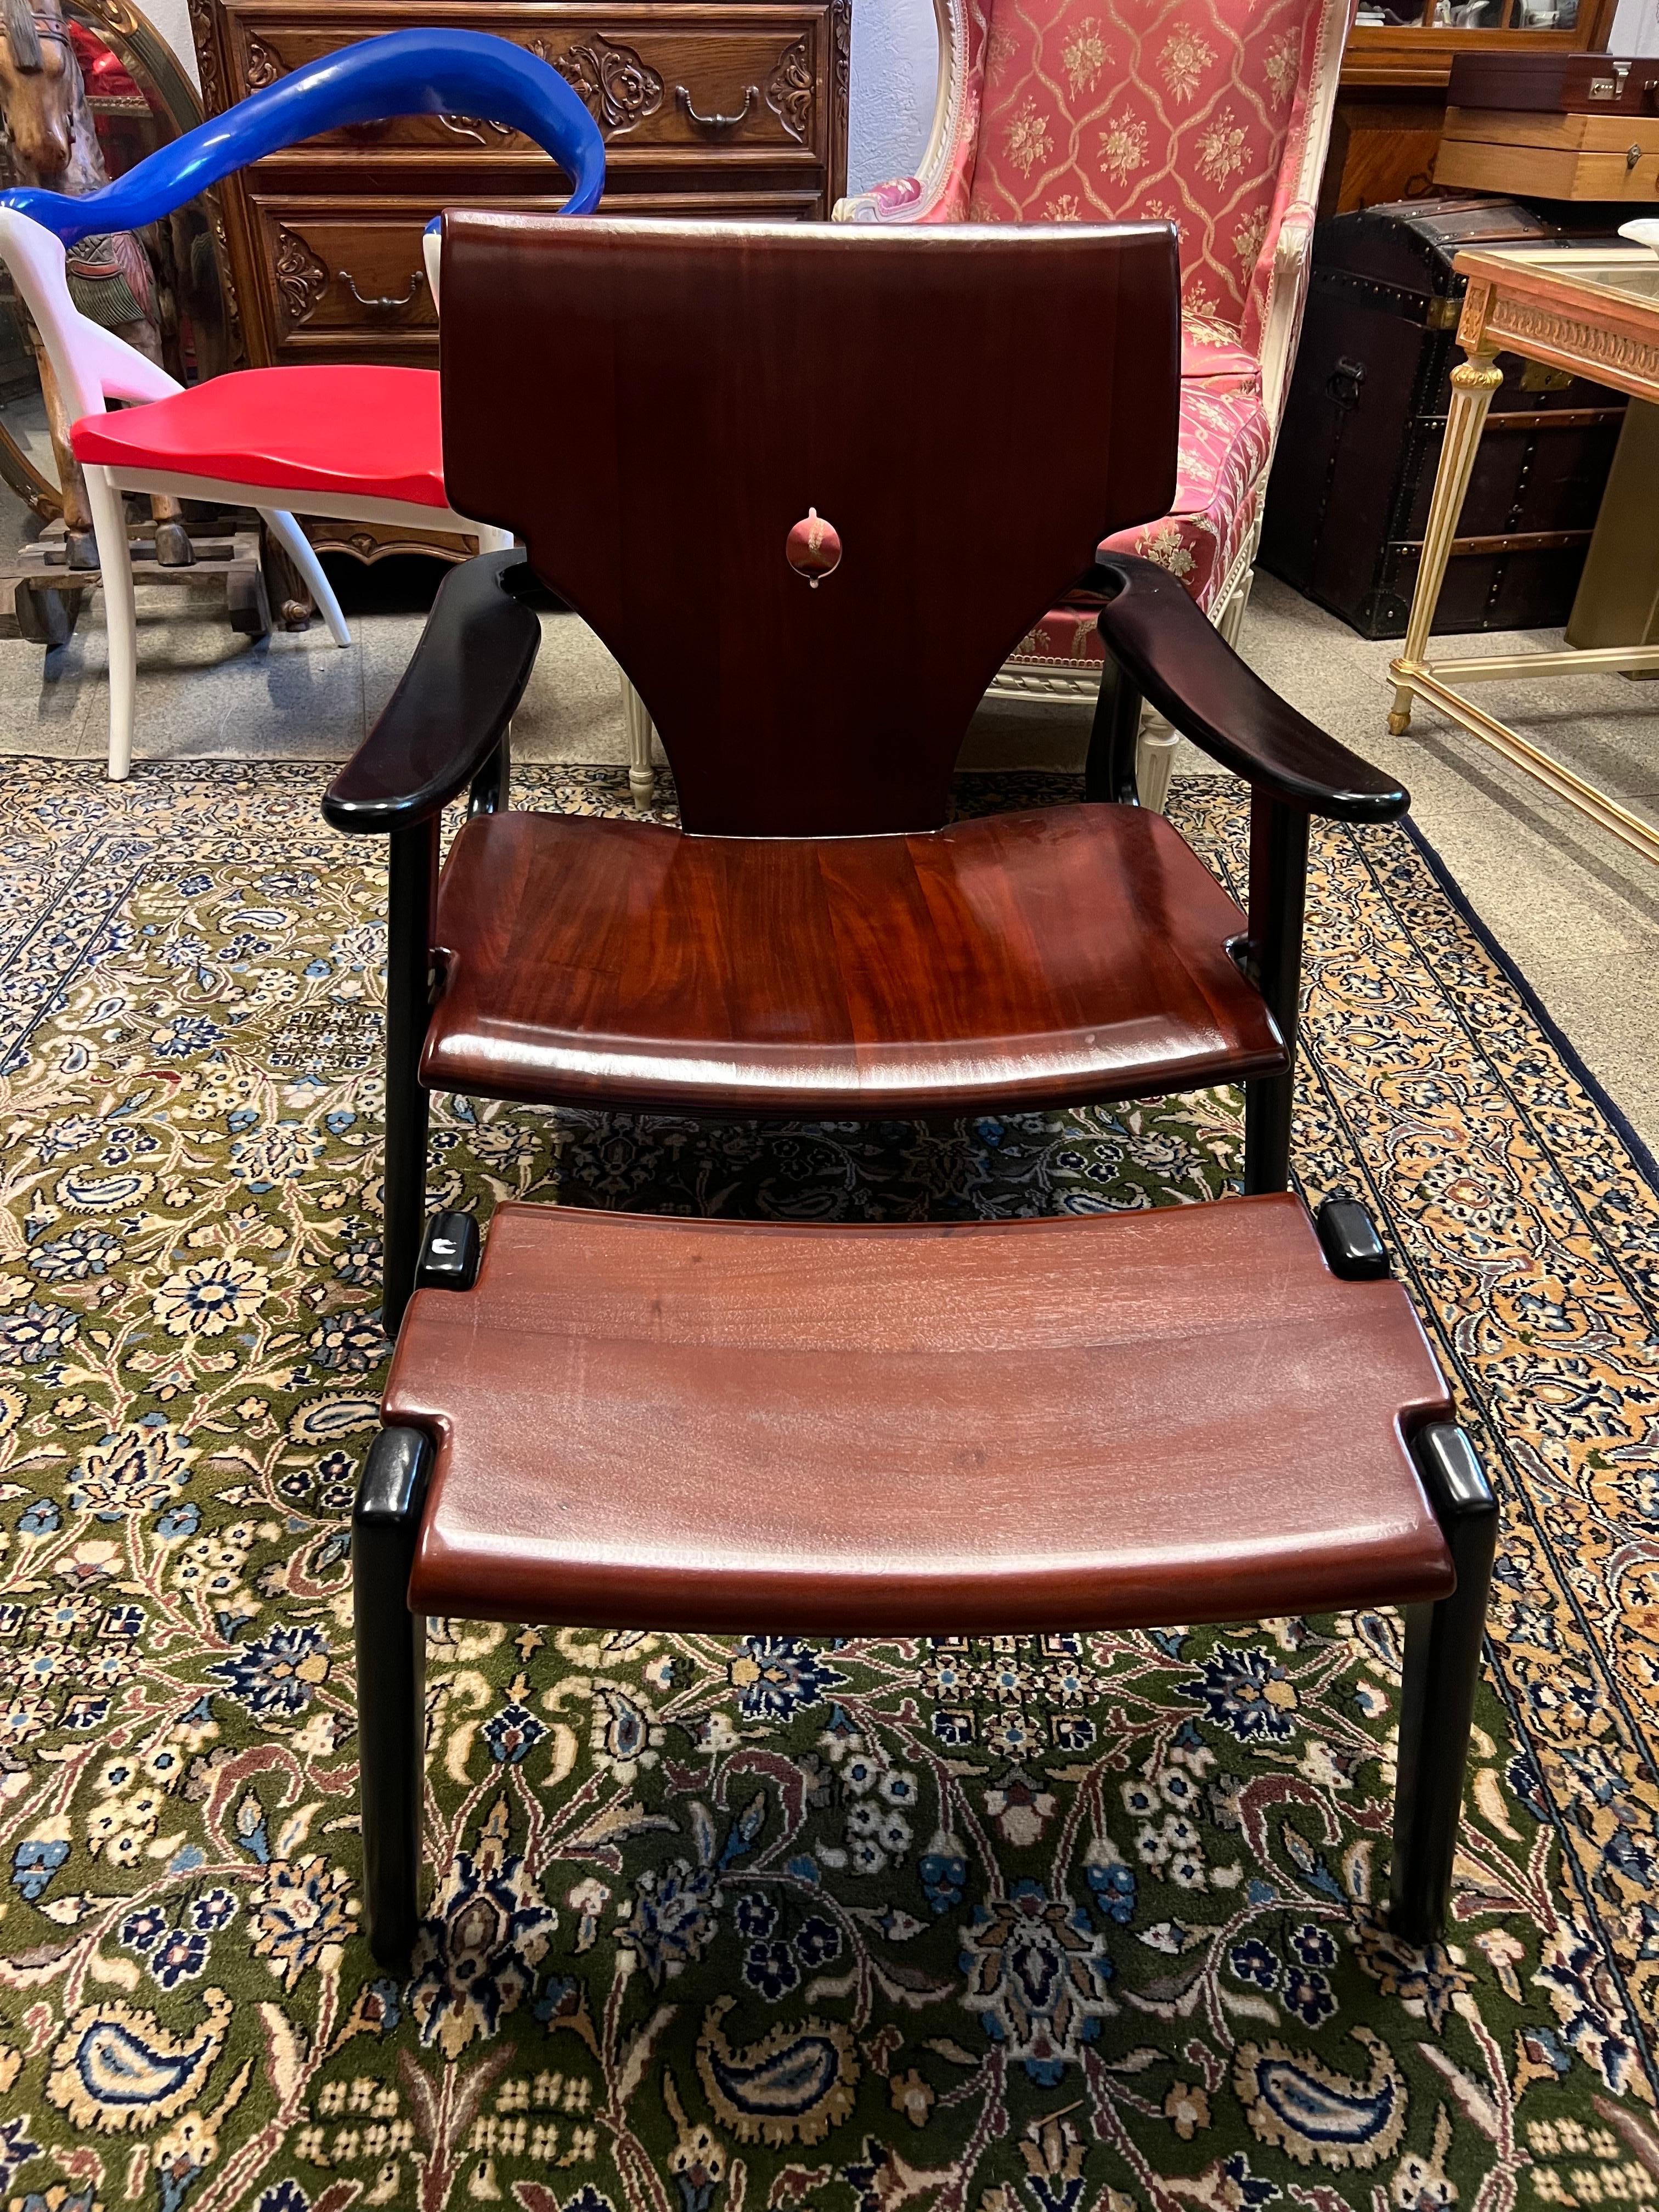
x,y
1073,1924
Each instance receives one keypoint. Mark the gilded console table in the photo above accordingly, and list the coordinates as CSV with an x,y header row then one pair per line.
x,y
1596,314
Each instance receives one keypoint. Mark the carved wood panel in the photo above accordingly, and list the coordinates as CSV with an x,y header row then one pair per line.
x,y
620,88
301,278
757,77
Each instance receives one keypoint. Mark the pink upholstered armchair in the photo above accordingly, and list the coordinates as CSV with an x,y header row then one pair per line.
x,y
1213,114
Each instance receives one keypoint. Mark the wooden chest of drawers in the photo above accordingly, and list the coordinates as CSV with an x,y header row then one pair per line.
x,y
709,107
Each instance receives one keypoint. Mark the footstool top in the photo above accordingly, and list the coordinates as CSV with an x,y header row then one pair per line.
x,y
1096,1421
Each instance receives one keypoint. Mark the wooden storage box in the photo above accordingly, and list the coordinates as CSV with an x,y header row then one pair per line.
x,y
1611,156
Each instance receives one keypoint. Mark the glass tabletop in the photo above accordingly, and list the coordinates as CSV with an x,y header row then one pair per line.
x,y
1629,272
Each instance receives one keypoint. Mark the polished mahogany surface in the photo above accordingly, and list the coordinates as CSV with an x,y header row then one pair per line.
x,y
1181,663
1014,961
723,1426
655,407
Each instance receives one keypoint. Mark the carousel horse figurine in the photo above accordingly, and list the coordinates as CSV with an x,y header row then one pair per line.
x,y
43,99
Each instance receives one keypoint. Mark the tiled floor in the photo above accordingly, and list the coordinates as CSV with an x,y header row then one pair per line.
x,y
1578,913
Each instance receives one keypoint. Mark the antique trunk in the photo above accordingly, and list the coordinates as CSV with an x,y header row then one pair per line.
x,y
709,107
1366,414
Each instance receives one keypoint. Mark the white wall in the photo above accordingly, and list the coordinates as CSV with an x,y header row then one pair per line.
x,y
895,70
895,75
172,19
1635,27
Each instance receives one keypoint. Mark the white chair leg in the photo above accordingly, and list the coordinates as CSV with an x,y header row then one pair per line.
x,y
298,547
1232,621
1154,759
641,770
109,520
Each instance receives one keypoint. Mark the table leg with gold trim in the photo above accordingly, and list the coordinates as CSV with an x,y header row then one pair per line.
x,y
1594,313
1473,382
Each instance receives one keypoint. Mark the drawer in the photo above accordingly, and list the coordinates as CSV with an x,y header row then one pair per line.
x,y
332,273
343,279
740,79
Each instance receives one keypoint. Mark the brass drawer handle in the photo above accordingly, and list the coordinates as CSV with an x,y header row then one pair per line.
x,y
386,303
716,122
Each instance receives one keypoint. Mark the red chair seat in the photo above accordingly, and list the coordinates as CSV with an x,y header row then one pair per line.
x,y
718,1426
351,430
1010,962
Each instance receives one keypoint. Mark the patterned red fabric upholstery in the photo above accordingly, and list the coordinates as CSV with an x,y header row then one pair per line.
x,y
1224,447
1198,111
1138,110
1211,354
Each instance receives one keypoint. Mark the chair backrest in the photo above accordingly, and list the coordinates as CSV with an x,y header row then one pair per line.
x,y
90,363
414,72
1183,111
660,409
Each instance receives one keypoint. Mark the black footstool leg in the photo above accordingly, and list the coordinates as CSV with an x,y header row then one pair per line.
x,y
391,1686
1442,1667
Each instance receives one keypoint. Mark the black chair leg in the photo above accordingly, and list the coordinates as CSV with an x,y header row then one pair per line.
x,y
1272,960
391,1686
412,869
1109,775
406,1113
1442,1671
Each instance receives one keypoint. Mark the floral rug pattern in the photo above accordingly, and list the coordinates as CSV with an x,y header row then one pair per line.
x,y
1057,1924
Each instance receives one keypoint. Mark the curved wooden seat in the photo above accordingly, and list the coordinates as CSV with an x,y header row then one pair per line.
x,y
1018,961
1069,1422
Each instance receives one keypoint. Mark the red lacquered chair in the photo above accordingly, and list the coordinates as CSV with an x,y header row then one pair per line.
x,y
360,443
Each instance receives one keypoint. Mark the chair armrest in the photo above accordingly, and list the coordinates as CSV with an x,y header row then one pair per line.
x,y
1178,660
898,200
453,706
1295,231
1286,292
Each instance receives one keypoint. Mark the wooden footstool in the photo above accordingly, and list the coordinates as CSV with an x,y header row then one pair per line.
x,y
1203,1413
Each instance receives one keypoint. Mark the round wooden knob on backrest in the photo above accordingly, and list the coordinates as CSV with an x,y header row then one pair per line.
x,y
812,548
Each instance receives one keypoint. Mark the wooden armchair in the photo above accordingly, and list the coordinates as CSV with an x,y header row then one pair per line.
x,y
759,518
708,441
1215,115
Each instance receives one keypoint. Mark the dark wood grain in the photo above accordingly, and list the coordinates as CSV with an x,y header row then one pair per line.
x,y
956,1430
712,382
452,706
1018,961
1180,661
